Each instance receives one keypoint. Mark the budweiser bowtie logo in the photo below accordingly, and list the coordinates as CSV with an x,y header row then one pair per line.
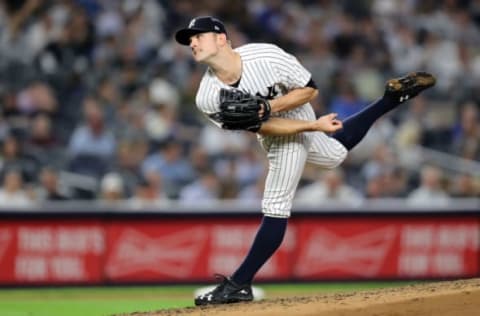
x,y
361,254
173,255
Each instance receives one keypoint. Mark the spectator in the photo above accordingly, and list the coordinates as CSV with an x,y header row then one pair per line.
x,y
149,192
169,162
92,144
92,138
4,128
44,144
42,136
112,188
430,192
409,131
253,193
12,192
109,99
381,163
37,98
466,141
218,143
375,188
463,186
243,168
14,157
404,49
330,186
50,188
205,189
127,163
396,185
161,119
199,159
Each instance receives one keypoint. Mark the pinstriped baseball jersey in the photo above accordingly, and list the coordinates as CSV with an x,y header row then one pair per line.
x,y
270,72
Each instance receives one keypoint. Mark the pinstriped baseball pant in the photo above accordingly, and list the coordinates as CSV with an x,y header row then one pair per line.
x,y
287,156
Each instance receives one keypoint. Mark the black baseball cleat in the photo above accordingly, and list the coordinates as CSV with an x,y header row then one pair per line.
x,y
225,293
405,88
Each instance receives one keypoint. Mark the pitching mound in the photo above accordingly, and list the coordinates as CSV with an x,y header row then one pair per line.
x,y
437,298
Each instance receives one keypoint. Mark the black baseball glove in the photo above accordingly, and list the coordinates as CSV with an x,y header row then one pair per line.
x,y
239,110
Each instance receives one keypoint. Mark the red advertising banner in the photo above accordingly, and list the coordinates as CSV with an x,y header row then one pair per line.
x,y
176,250
172,250
44,252
368,248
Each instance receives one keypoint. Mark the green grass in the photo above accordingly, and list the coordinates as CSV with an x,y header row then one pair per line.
x,y
101,301
82,307
92,301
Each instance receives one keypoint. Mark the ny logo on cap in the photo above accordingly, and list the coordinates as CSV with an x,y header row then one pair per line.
x,y
192,23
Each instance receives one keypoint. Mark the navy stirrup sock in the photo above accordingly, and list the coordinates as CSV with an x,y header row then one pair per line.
x,y
268,239
356,126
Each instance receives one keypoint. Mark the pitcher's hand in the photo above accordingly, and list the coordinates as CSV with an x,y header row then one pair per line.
x,y
327,123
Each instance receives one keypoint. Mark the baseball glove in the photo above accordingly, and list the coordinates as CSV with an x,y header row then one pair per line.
x,y
239,110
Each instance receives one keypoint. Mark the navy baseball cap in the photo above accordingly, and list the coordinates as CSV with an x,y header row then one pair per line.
x,y
201,24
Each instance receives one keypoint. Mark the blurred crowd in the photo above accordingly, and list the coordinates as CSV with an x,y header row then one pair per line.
x,y
97,99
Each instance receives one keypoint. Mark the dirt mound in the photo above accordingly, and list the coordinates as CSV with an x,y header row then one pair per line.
x,y
452,298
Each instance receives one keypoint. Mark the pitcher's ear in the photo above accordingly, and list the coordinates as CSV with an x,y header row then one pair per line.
x,y
223,38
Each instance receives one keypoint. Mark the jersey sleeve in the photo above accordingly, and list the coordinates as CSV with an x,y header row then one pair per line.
x,y
289,69
207,97
206,101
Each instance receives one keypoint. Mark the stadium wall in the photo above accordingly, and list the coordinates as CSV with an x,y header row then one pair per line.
x,y
102,245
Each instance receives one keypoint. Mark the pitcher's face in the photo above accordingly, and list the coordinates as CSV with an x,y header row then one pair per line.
x,y
204,46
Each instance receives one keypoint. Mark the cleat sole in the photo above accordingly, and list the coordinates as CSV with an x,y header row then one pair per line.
x,y
417,78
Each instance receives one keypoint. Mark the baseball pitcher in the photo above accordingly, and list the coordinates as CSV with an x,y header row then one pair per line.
x,y
262,89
